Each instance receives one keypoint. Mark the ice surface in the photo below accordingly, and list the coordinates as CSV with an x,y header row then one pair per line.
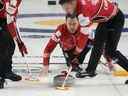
x,y
104,84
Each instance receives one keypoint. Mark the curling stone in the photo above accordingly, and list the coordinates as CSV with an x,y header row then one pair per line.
x,y
59,79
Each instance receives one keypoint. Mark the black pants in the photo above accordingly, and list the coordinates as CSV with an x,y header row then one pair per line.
x,y
7,47
69,56
108,33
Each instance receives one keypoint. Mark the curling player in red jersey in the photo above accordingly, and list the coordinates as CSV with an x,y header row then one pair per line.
x,y
110,21
8,8
73,41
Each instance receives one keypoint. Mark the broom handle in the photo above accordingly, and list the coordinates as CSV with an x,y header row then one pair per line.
x,y
69,71
28,67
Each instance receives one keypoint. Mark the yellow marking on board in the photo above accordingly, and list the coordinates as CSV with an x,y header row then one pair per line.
x,y
50,22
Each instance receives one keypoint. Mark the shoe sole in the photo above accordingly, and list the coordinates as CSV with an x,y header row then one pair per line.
x,y
85,76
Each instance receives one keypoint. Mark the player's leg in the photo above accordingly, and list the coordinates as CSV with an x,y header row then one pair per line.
x,y
10,45
113,25
111,44
114,37
10,52
126,82
115,29
2,80
100,37
83,54
69,57
9,74
120,59
2,74
3,50
66,57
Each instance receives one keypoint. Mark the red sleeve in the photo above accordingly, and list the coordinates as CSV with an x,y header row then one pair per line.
x,y
81,42
2,9
48,50
12,29
97,10
86,10
51,46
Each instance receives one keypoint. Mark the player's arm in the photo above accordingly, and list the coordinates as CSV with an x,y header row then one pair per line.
x,y
85,23
49,49
13,29
12,12
46,55
85,15
12,26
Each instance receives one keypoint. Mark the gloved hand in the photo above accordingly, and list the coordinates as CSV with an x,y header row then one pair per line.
x,y
64,73
74,62
75,65
22,48
44,71
10,18
11,9
84,21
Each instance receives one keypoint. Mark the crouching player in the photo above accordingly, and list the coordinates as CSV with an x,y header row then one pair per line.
x,y
73,41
